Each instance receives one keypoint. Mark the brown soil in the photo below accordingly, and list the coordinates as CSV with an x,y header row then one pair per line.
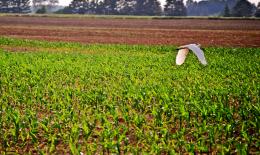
x,y
227,33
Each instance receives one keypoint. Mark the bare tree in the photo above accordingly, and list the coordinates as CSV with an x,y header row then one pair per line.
x,y
44,4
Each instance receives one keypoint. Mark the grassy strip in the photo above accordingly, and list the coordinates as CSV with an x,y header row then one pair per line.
x,y
35,45
127,16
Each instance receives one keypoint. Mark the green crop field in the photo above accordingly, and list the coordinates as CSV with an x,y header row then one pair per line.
x,y
59,98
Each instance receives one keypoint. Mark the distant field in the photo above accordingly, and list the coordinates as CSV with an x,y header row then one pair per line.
x,y
209,31
68,98
126,16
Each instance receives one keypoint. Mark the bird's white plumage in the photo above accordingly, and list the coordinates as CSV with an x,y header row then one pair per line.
x,y
195,48
181,56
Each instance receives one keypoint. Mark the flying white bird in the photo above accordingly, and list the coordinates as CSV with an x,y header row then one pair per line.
x,y
184,50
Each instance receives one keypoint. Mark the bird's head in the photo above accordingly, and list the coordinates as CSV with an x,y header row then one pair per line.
x,y
199,45
181,47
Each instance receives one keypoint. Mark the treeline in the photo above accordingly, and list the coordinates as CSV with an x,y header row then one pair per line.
x,y
15,6
234,8
227,8
115,7
27,6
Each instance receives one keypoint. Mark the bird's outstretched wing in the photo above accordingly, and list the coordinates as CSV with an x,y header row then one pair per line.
x,y
181,56
198,52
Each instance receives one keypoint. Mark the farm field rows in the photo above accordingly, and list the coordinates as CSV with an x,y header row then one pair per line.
x,y
213,32
69,98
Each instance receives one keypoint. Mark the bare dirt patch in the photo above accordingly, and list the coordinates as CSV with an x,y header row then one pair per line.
x,y
227,33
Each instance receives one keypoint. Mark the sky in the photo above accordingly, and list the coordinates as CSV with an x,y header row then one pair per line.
x,y
66,2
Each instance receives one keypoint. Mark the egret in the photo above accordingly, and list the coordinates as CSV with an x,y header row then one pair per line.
x,y
184,50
